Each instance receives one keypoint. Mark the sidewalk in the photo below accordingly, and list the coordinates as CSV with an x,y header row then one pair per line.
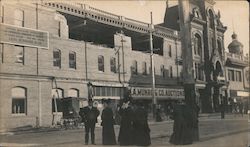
x,y
209,130
30,129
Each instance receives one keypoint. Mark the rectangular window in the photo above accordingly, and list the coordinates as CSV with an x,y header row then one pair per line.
x,y
18,105
1,52
170,50
2,14
19,18
171,71
238,76
113,65
72,60
144,68
57,58
134,68
19,54
108,91
231,75
101,63
163,71
59,29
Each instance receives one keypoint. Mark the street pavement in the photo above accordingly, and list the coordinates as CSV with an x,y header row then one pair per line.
x,y
233,131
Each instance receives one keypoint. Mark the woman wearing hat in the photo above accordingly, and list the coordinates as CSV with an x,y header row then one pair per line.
x,y
108,133
126,128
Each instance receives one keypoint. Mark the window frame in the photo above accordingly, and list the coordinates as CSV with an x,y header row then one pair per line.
x,y
113,65
18,56
23,98
57,62
100,61
170,50
144,68
72,62
134,68
20,20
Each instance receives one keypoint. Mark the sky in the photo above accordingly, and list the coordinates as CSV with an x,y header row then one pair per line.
x,y
234,14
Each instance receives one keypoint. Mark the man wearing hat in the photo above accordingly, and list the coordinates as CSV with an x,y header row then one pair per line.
x,y
89,115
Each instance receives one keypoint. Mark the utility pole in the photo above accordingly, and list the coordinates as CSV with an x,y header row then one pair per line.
x,y
152,65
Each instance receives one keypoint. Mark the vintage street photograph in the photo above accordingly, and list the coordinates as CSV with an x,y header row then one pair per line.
x,y
79,73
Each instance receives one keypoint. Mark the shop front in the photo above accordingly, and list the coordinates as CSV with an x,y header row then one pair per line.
x,y
106,90
166,97
239,99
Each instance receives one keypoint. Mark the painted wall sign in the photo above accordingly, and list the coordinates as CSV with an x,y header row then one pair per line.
x,y
159,92
23,36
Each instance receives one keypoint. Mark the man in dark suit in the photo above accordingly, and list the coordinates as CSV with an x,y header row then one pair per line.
x,y
89,116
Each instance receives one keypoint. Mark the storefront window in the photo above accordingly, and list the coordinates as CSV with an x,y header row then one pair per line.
x,y
108,91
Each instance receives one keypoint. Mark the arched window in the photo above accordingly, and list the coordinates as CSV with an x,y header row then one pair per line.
x,y
144,68
101,63
113,65
72,60
57,58
211,19
73,93
19,100
197,44
134,67
57,94
219,47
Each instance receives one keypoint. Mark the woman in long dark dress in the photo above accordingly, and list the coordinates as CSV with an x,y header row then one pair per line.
x,y
141,128
108,133
126,128
182,130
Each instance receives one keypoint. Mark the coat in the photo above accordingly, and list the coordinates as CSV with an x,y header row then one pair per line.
x,y
89,116
182,130
126,128
141,128
108,133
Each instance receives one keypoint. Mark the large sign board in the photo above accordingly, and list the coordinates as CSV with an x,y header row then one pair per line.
x,y
23,36
170,93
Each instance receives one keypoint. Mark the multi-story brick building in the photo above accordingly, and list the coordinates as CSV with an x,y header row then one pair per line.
x,y
54,50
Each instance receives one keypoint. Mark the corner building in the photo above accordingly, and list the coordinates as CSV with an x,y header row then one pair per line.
x,y
55,50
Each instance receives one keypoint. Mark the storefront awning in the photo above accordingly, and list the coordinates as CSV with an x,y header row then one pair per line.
x,y
108,84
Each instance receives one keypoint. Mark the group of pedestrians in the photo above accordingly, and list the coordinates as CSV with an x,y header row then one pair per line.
x,y
134,128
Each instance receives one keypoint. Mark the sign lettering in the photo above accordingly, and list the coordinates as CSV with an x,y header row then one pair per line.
x,y
23,36
159,92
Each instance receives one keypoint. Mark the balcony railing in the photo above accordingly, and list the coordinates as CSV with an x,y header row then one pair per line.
x,y
238,57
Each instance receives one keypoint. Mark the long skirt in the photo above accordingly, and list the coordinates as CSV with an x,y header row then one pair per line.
x,y
108,135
